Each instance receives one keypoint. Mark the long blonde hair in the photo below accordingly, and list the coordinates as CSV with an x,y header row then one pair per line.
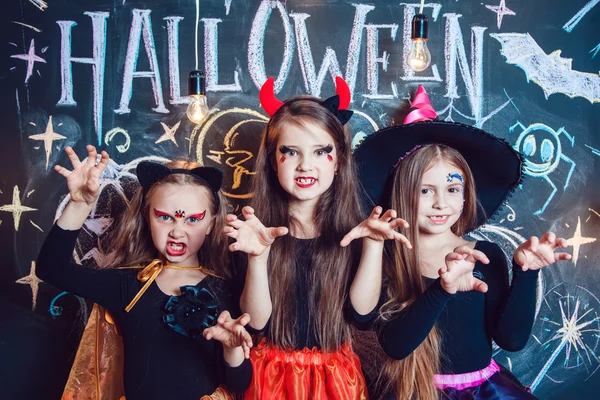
x,y
337,212
412,377
132,243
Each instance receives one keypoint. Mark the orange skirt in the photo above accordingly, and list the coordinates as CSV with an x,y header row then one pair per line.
x,y
305,374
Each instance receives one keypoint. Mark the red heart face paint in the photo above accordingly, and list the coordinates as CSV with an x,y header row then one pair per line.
x,y
282,159
330,157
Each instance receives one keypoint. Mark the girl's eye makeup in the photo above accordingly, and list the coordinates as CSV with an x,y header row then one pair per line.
x,y
286,151
162,215
197,217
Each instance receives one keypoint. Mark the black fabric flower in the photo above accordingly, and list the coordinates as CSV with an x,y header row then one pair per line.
x,y
192,312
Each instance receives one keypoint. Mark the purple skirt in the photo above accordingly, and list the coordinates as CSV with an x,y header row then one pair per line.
x,y
491,383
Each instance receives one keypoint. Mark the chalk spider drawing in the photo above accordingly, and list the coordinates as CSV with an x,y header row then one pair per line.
x,y
542,148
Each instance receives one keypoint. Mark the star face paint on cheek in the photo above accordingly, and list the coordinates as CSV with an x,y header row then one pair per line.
x,y
453,176
179,214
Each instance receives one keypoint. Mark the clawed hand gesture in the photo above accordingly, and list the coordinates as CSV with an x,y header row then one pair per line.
x,y
251,236
538,253
231,332
84,180
378,228
457,275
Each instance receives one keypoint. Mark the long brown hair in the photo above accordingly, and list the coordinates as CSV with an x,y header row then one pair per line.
x,y
412,377
337,212
132,243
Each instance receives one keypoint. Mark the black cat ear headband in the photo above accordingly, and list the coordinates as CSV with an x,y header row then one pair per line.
x,y
337,104
149,173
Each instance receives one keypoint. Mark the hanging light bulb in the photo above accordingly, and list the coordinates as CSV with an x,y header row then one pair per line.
x,y
197,110
419,56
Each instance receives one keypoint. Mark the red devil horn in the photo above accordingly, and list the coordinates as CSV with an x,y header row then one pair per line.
x,y
342,90
269,102
421,109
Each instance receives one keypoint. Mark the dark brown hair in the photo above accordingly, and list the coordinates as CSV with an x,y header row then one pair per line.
x,y
337,212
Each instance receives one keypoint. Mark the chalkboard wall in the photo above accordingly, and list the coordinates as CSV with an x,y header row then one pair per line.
x,y
113,73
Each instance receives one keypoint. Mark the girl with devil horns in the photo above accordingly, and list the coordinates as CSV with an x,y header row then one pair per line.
x,y
306,197
164,295
448,298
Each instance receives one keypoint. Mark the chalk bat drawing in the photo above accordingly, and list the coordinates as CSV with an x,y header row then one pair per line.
x,y
551,72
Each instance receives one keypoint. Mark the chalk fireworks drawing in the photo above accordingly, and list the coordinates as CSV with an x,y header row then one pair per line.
x,y
576,331
551,72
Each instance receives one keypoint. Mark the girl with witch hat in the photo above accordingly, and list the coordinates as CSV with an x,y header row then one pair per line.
x,y
447,298
305,199
150,338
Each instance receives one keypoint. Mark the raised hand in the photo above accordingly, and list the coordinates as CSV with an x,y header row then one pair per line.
x,y
84,180
457,275
251,236
379,228
231,332
538,253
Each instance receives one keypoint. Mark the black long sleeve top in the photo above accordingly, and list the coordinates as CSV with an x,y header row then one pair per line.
x,y
468,321
159,362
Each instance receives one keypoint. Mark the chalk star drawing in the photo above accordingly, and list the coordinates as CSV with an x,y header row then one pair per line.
x,y
542,149
169,133
33,281
16,208
572,326
31,59
577,241
49,136
501,10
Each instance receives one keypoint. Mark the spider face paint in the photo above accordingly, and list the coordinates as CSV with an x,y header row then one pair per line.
x,y
179,214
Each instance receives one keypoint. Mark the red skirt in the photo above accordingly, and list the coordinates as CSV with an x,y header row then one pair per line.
x,y
305,374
